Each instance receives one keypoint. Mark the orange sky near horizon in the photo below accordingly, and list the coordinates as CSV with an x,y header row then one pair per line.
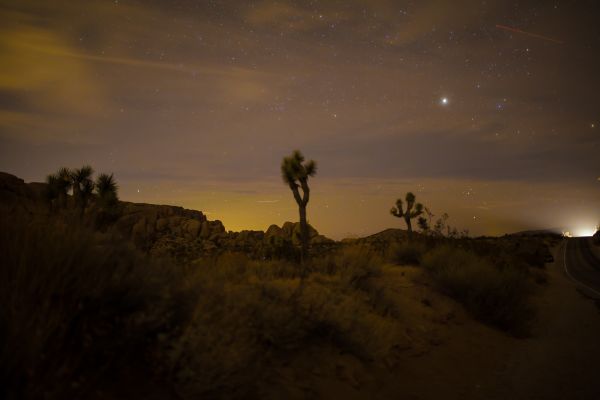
x,y
196,103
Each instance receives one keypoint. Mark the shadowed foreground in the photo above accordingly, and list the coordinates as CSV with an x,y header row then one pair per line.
x,y
87,314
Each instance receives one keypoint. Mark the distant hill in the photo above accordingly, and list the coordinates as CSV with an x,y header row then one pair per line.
x,y
539,232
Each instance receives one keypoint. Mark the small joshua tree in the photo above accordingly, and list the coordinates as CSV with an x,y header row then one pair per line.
x,y
106,188
81,181
58,187
409,213
295,173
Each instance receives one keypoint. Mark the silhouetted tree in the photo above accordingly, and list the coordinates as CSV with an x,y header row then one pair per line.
x,y
106,188
58,187
83,186
108,200
52,190
423,224
295,173
409,213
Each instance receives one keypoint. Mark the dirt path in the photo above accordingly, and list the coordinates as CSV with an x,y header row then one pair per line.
x,y
561,360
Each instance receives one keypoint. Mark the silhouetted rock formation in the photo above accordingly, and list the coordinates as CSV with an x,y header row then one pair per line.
x,y
172,231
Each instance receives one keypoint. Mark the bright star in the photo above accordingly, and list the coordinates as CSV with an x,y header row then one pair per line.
x,y
444,101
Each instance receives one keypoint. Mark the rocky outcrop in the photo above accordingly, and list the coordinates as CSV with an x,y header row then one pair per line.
x,y
18,196
162,230
596,238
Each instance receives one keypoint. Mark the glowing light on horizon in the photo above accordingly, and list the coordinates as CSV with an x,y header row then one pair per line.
x,y
583,231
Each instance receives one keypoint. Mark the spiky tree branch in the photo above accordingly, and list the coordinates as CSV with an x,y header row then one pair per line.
x,y
408,213
295,173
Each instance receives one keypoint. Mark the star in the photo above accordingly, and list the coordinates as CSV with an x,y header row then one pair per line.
x,y
444,101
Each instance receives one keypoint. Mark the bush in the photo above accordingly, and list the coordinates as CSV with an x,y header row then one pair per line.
x,y
499,297
73,307
406,253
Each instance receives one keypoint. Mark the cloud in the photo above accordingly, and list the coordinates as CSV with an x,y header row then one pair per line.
x,y
38,85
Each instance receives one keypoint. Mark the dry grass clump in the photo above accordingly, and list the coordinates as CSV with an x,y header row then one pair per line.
x,y
407,252
73,308
497,296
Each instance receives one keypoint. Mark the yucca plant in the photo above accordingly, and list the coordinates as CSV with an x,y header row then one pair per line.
x,y
58,187
106,188
83,186
295,173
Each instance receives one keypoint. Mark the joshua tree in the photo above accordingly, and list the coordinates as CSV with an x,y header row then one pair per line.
x,y
106,188
58,186
295,173
409,213
87,189
81,181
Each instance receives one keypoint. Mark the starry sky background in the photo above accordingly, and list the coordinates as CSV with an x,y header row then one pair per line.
x,y
194,103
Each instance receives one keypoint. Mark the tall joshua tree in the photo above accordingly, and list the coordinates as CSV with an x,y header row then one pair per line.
x,y
409,213
295,173
81,181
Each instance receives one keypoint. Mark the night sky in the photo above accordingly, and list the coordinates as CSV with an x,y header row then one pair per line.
x,y
194,103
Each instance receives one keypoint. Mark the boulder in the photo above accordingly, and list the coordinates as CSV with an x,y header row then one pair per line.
x,y
274,230
192,227
205,230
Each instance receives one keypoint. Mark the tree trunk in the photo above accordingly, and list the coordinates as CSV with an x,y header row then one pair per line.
x,y
76,194
303,236
408,226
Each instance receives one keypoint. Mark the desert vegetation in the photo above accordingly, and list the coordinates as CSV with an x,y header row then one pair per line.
x,y
81,304
295,173
85,304
74,190
410,213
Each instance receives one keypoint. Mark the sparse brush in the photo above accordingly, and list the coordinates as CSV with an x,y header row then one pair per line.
x,y
497,296
406,253
73,307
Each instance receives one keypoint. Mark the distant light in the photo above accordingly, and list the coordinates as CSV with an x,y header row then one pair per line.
x,y
444,101
584,232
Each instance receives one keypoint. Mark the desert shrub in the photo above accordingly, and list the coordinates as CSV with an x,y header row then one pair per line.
x,y
249,313
73,307
406,253
499,297
352,264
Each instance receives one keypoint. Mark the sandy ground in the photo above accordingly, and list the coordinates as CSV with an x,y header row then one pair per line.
x,y
560,361
454,357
